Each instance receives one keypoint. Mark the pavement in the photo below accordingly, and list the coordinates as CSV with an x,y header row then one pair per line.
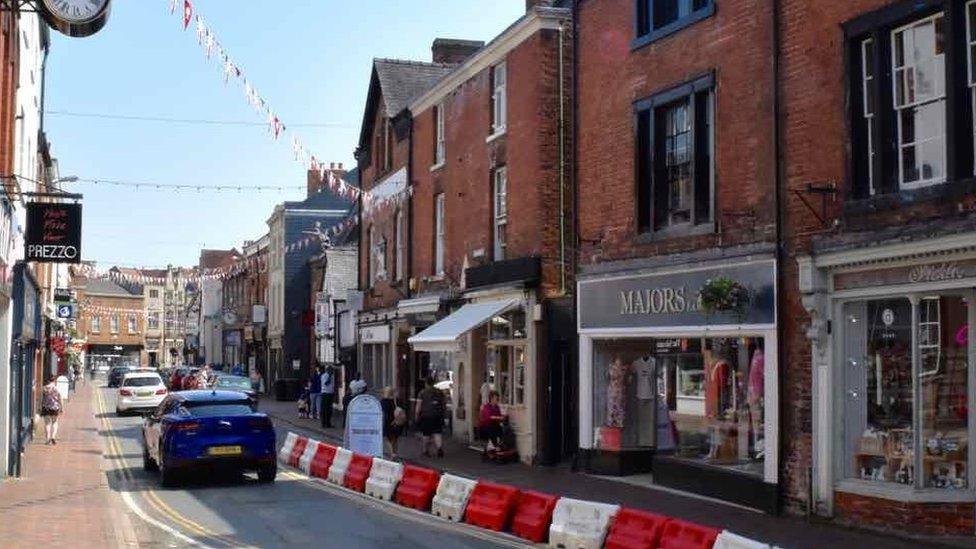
x,y
90,491
784,531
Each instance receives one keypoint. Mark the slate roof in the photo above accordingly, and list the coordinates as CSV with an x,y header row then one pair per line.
x,y
213,259
401,81
103,286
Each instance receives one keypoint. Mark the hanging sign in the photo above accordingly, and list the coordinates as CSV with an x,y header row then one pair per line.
x,y
53,233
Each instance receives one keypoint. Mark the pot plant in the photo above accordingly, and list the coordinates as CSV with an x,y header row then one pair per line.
x,y
722,295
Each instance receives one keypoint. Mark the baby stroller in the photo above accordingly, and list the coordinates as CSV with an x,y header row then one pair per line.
x,y
504,449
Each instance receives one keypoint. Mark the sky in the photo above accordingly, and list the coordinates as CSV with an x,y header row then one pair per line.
x,y
309,59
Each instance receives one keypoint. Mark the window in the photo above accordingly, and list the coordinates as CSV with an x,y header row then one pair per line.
x,y
152,321
918,65
114,324
674,145
387,144
131,321
905,390
96,324
400,237
659,18
154,294
370,268
439,223
867,75
499,101
439,142
501,212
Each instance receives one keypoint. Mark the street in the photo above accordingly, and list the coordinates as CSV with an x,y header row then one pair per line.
x,y
233,511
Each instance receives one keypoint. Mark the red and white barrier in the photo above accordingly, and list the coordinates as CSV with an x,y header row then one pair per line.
x,y
383,479
305,461
339,465
728,540
452,497
578,524
287,447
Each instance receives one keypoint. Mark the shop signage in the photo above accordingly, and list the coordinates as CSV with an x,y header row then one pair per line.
x,y
65,311
364,429
248,333
671,300
63,295
53,233
946,271
375,334
259,314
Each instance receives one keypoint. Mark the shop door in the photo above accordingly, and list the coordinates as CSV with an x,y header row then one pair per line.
x,y
561,406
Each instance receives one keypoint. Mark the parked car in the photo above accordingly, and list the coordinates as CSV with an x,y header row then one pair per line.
x,y
140,390
116,374
208,430
237,383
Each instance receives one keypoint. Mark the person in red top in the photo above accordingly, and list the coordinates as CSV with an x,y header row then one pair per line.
x,y
490,420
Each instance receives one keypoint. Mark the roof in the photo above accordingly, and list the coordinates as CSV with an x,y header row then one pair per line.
x,y
214,259
103,286
401,81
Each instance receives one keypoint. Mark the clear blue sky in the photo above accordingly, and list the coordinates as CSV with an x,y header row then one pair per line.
x,y
310,59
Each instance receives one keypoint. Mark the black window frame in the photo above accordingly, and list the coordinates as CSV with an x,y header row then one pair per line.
x,y
646,166
959,140
644,30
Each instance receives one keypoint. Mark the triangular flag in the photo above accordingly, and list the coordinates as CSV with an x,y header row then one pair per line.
x,y
187,13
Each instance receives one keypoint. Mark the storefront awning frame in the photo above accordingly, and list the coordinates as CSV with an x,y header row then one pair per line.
x,y
445,335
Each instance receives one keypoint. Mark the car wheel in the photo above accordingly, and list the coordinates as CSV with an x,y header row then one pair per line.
x,y
167,476
147,462
268,473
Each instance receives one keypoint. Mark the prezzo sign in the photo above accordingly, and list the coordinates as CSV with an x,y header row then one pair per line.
x,y
672,299
53,233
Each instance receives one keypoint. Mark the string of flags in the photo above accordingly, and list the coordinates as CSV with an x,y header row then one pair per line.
x,y
232,71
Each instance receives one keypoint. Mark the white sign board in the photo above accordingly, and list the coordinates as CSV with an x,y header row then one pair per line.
x,y
375,334
364,426
296,365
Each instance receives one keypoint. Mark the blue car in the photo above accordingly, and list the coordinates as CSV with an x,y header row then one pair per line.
x,y
199,430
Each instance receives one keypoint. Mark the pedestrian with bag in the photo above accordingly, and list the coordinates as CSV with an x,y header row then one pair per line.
x,y
430,417
328,388
315,394
51,407
394,419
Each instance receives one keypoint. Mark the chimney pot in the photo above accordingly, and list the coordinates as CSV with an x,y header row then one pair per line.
x,y
452,51
331,165
529,4
340,165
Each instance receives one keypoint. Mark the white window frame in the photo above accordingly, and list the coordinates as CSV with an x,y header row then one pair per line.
x,y
499,115
131,324
500,201
440,143
867,80
96,324
113,323
439,234
400,255
909,68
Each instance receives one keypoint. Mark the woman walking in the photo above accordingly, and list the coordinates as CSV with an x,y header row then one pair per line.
x,y
430,414
51,409
394,418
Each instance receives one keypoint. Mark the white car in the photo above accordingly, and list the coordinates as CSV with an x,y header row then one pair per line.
x,y
140,390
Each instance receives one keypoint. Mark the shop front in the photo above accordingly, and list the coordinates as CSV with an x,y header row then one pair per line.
x,y
892,352
376,358
678,378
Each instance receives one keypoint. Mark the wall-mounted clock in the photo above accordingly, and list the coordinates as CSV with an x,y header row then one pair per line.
x,y
76,17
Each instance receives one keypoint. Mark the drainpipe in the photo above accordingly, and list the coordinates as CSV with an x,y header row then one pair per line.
x,y
778,180
562,169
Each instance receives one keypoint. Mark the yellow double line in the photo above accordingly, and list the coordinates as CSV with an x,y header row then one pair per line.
x,y
150,495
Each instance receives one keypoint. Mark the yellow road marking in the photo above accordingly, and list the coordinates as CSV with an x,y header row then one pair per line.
x,y
150,495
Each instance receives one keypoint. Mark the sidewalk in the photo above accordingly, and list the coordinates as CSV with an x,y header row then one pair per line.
x,y
63,498
787,532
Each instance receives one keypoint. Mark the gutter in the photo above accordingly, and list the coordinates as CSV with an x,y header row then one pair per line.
x,y
562,168
778,180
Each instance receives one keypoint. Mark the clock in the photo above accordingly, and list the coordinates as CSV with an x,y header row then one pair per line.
x,y
76,17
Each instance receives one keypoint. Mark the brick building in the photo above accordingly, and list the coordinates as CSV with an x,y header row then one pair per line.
x,y
880,230
111,321
676,178
491,232
255,354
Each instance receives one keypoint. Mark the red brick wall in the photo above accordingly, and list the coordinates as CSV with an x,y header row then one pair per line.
x,y
736,43
9,52
383,294
918,518
529,150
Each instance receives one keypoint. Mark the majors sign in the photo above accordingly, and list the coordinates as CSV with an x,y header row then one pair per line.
x,y
53,233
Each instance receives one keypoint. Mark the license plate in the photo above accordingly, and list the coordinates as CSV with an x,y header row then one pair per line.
x,y
144,393
224,450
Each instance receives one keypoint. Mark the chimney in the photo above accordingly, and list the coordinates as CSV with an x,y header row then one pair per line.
x,y
530,4
315,181
451,51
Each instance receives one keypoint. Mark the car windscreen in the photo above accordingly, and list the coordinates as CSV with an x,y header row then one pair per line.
x,y
234,383
217,409
141,381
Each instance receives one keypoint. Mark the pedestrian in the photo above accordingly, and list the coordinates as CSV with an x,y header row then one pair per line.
x,y
490,420
256,380
303,407
394,418
315,402
328,395
430,417
50,409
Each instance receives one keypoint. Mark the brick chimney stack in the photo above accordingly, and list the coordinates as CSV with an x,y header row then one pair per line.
x,y
451,51
315,181
529,4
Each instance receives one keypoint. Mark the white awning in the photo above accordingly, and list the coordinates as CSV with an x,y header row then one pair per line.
x,y
444,334
428,304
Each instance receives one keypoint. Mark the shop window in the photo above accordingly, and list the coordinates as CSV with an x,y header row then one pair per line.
x,y
697,399
506,372
902,418
510,325
376,370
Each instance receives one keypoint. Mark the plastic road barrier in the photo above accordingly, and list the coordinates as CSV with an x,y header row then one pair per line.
x,y
679,534
296,451
632,529
490,506
728,540
339,465
287,447
533,513
322,461
417,487
358,472
452,497
305,461
578,524
383,479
